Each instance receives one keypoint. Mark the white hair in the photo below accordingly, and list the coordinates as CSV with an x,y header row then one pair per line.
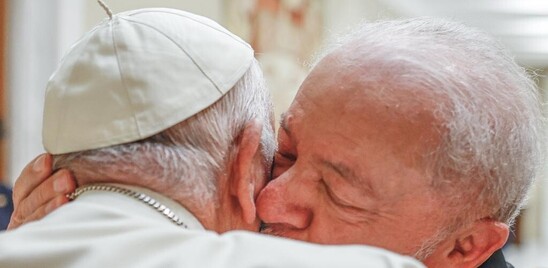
x,y
188,158
489,109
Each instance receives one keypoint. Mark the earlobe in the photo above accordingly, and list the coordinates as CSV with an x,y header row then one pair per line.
x,y
247,171
478,242
248,206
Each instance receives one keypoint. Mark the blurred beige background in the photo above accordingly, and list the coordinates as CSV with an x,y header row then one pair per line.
x,y
285,35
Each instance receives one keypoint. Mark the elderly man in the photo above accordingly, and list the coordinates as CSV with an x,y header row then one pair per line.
x,y
419,136
163,118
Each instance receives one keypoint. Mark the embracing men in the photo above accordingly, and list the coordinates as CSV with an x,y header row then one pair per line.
x,y
419,136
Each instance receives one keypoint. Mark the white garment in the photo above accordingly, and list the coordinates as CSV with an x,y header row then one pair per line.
x,y
105,229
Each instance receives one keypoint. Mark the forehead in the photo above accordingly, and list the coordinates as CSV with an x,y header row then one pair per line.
x,y
335,117
347,98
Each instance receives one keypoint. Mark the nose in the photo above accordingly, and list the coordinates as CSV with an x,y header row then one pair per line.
x,y
286,201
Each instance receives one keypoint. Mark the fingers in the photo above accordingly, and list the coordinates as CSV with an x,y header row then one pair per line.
x,y
38,192
58,184
32,175
17,220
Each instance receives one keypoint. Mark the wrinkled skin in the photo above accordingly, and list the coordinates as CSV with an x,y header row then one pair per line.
x,y
346,170
48,191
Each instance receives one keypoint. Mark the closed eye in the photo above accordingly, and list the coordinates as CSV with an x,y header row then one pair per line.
x,y
282,162
337,200
289,157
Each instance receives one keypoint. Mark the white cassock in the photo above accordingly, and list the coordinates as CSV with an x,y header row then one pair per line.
x,y
106,229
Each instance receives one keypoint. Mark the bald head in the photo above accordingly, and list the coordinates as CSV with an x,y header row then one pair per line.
x,y
484,106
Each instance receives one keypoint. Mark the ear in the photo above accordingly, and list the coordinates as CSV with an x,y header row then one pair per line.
x,y
248,170
474,245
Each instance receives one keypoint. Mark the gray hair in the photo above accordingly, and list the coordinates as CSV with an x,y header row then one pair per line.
x,y
187,159
489,109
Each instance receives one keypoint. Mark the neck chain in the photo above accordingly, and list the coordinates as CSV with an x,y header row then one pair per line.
x,y
151,202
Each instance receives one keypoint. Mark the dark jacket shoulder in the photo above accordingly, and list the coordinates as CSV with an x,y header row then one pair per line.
x,y
496,260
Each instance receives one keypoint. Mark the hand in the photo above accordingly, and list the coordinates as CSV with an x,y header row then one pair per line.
x,y
37,191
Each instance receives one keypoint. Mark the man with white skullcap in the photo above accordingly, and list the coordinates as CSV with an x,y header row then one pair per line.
x,y
164,121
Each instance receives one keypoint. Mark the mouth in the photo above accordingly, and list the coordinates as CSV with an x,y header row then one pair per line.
x,y
262,226
269,230
277,229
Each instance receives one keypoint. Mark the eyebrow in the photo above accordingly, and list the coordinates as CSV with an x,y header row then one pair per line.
x,y
347,173
343,170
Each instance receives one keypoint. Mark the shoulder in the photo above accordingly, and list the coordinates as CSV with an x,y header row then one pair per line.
x,y
496,260
282,252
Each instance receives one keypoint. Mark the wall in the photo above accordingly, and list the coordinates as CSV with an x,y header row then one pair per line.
x,y
542,183
37,32
94,13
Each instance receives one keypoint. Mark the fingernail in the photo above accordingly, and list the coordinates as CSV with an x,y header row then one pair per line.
x,y
59,185
39,163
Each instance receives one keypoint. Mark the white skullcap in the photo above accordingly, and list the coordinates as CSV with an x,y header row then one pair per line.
x,y
138,74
